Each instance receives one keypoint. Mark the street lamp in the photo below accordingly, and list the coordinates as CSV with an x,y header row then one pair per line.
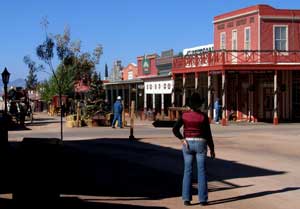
x,y
5,79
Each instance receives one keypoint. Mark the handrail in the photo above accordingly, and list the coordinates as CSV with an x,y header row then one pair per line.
x,y
223,57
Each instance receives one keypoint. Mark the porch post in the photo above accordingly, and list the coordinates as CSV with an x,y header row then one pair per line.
x,y
183,85
173,91
209,96
250,100
145,103
153,104
117,91
129,98
196,80
111,98
275,119
136,98
123,94
223,99
162,106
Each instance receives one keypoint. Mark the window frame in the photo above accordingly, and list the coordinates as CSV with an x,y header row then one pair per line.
x,y
286,35
245,38
223,46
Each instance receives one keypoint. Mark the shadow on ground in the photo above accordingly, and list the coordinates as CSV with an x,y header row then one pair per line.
x,y
41,172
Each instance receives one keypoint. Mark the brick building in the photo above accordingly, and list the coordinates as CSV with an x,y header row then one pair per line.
x,y
254,68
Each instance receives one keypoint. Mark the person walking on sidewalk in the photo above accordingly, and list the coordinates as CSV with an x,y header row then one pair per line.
x,y
218,112
195,139
118,108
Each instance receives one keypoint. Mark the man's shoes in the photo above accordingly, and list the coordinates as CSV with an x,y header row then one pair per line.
x,y
203,203
187,203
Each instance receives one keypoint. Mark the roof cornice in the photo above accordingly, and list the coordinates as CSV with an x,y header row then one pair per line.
x,y
235,16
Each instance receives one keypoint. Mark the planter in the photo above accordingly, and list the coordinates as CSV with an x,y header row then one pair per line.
x,y
89,122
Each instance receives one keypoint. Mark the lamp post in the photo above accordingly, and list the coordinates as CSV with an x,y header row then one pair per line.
x,y
5,79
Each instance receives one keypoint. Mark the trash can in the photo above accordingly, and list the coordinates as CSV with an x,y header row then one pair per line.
x,y
39,171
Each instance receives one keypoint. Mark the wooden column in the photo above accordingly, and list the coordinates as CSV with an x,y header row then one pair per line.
x,y
173,91
223,98
196,80
209,105
123,114
145,104
111,98
136,98
275,118
250,101
162,106
129,97
183,94
153,103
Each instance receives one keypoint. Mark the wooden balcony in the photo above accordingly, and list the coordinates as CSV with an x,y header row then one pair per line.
x,y
238,60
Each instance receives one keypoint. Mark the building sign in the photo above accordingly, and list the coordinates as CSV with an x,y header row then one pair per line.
x,y
159,87
146,65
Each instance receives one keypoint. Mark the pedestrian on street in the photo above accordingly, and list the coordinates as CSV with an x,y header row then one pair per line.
x,y
118,108
195,139
217,108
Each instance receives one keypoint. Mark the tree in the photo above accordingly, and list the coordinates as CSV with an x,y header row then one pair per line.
x,y
45,52
31,81
96,91
73,65
106,71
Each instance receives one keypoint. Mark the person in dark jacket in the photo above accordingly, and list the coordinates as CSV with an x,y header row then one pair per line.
x,y
195,139
118,108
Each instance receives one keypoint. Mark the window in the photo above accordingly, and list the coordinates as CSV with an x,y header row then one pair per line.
x,y
247,39
130,75
280,38
223,40
234,40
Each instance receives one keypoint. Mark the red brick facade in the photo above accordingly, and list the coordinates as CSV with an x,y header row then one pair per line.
x,y
152,70
130,72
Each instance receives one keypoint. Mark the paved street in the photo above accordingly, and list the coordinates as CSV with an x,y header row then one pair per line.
x,y
257,165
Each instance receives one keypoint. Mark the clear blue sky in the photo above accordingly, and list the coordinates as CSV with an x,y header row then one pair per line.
x,y
125,28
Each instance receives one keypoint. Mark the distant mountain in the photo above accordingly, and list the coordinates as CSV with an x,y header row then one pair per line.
x,y
16,83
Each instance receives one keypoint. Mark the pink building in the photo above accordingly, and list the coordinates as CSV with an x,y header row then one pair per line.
x,y
254,68
130,72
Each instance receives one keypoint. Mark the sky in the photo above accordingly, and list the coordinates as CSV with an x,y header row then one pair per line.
x,y
125,28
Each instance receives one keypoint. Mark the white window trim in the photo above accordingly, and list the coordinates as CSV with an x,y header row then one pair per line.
x,y
246,28
287,37
130,75
221,34
232,39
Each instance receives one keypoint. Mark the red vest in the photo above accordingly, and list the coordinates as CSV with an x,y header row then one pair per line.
x,y
193,124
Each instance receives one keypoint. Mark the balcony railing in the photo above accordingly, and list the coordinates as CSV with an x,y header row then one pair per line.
x,y
227,57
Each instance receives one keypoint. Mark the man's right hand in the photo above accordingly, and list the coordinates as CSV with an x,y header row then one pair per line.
x,y
212,154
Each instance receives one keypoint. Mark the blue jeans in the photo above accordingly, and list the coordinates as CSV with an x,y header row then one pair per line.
x,y
196,149
117,117
217,116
